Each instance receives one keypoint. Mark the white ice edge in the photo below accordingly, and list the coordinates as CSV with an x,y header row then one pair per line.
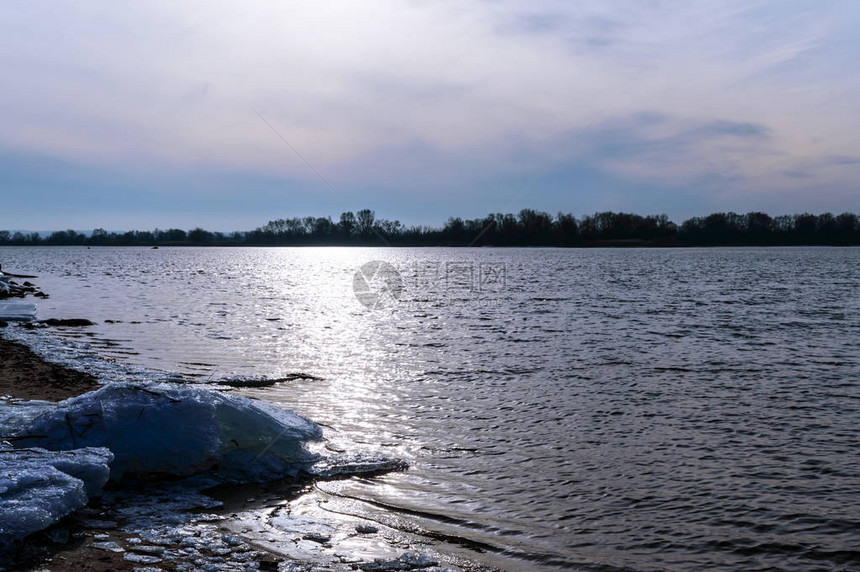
x,y
80,355
14,310
168,429
65,452
151,426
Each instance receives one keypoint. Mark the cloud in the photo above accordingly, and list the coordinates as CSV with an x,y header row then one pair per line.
x,y
845,160
393,97
732,129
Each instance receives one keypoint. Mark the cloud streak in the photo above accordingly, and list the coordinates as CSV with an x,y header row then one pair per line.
x,y
722,103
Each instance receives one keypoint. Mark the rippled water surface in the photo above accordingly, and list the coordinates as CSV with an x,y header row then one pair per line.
x,y
561,409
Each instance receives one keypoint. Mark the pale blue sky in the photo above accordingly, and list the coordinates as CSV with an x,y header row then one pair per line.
x,y
144,115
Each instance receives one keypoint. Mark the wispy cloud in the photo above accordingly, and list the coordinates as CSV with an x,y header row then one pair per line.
x,y
404,100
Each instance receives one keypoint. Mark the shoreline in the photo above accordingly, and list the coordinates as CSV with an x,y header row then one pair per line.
x,y
103,536
26,376
79,541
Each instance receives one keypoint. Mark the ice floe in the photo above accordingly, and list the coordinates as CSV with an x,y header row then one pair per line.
x,y
169,430
39,487
14,310
65,452
354,464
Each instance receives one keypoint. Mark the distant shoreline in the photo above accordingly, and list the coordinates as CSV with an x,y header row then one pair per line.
x,y
527,228
590,246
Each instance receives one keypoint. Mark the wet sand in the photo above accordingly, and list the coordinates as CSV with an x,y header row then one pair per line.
x,y
24,375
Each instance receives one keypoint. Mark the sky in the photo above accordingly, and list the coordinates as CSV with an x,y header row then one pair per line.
x,y
182,114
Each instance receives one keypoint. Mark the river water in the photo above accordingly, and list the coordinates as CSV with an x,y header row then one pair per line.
x,y
560,409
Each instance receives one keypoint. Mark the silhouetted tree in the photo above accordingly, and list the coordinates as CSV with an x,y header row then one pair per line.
x,y
347,225
66,237
199,236
528,228
365,222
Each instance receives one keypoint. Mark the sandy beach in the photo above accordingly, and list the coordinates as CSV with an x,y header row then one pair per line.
x,y
24,375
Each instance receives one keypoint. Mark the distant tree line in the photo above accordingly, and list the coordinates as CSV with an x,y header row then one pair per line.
x,y
527,228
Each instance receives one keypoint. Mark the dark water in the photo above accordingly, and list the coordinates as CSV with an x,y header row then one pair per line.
x,y
561,409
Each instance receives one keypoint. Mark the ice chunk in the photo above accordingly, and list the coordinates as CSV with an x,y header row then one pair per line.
x,y
141,558
299,525
39,487
355,464
170,429
406,561
108,546
14,310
